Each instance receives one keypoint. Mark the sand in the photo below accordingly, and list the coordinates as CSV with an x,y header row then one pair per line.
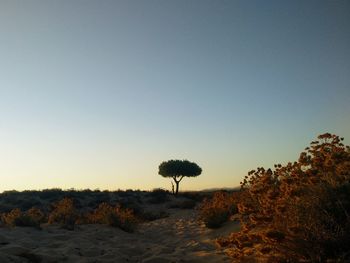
x,y
181,237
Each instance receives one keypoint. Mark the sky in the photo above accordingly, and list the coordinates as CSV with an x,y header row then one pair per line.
x,y
96,94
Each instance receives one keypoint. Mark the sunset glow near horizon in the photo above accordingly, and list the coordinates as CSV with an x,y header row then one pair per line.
x,y
96,94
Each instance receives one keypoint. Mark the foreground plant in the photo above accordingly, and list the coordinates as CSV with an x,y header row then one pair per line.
x,y
299,211
216,210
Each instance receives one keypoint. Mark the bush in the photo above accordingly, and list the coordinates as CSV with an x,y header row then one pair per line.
x,y
158,196
123,219
37,215
217,210
64,213
51,195
32,218
132,204
101,215
195,196
28,203
113,216
298,212
184,204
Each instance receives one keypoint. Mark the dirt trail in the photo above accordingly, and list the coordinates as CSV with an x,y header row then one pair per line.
x,y
184,239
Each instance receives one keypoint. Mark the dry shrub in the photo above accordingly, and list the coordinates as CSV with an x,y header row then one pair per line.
x,y
158,196
298,212
37,215
184,204
217,210
9,218
32,218
64,213
115,216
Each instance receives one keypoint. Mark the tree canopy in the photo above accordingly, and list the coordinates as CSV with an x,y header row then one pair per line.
x,y
178,169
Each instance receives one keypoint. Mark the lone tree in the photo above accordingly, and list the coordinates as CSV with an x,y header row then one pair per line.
x,y
178,169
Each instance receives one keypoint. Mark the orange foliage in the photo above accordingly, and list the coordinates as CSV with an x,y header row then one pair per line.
x,y
33,217
115,216
217,210
300,211
64,213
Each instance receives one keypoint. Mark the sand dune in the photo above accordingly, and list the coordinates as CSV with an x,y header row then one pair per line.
x,y
181,237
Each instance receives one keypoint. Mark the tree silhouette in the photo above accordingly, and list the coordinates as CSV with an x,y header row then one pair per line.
x,y
178,169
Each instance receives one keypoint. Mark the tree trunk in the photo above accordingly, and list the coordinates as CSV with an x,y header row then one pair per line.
x,y
177,187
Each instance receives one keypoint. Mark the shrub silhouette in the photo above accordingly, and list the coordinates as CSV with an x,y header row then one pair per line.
x,y
158,195
178,169
64,213
217,210
184,204
299,211
37,215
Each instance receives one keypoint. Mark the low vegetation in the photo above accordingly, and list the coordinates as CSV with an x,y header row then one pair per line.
x,y
297,212
217,210
64,213
122,209
184,204
32,218
114,216
158,196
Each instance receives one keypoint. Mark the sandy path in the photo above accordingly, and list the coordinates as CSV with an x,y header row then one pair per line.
x,y
178,238
183,239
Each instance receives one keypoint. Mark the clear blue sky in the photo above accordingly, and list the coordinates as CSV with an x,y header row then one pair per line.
x,y
95,94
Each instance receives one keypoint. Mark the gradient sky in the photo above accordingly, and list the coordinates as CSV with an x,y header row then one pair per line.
x,y
96,94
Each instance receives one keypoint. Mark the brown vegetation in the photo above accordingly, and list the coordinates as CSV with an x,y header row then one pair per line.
x,y
298,212
122,209
113,216
32,218
217,210
64,213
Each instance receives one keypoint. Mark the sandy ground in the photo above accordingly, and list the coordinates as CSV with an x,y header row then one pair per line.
x,y
179,238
